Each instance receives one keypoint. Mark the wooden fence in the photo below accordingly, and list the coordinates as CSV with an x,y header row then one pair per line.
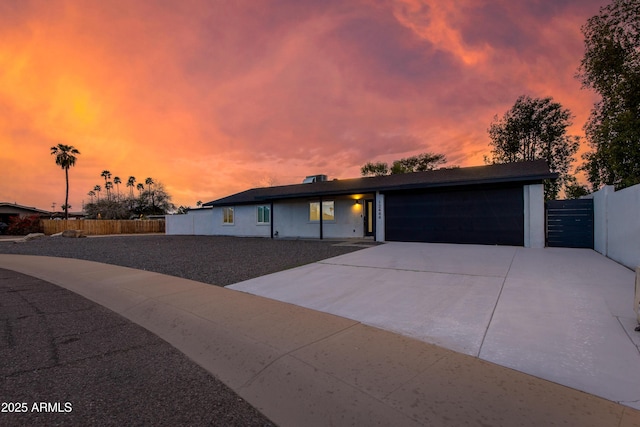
x,y
92,227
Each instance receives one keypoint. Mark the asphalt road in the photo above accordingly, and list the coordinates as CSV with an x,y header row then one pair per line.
x,y
65,360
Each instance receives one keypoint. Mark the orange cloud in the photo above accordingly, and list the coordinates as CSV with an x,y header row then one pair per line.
x,y
214,97
434,21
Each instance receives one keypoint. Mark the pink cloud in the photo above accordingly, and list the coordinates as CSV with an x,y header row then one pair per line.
x,y
214,97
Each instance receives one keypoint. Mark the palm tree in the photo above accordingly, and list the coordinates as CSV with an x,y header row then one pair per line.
x,y
106,175
117,181
108,186
91,194
97,189
131,183
149,182
65,158
140,187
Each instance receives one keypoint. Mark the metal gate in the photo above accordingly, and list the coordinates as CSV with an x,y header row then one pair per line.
x,y
570,223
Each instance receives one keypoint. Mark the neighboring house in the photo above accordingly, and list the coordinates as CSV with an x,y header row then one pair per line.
x,y
496,204
8,210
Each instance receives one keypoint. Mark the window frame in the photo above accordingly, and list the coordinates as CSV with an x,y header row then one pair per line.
x,y
332,203
263,208
225,215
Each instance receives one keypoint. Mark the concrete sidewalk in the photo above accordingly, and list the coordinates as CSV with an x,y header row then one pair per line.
x,y
304,367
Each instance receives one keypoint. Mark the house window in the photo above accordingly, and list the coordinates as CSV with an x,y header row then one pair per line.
x,y
227,215
328,212
264,214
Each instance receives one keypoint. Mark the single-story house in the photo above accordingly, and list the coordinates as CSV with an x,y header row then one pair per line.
x,y
14,210
8,210
500,204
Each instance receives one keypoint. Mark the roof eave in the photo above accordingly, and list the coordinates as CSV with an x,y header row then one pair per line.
x,y
530,179
533,179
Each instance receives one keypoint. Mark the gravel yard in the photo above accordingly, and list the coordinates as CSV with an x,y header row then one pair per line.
x,y
216,260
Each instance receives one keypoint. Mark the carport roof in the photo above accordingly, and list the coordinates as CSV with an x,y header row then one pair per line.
x,y
518,172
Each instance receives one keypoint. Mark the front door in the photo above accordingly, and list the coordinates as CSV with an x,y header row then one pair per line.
x,y
369,218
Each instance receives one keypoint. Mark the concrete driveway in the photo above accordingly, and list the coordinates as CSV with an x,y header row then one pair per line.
x,y
565,315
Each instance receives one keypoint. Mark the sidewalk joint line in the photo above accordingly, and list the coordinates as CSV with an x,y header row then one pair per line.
x,y
383,401
289,353
412,270
627,333
493,312
435,362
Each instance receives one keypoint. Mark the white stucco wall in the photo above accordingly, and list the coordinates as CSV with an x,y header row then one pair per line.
x,y
600,218
245,223
291,220
534,229
196,222
178,224
379,213
617,224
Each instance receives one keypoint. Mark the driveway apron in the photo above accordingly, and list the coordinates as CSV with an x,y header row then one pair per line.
x,y
565,315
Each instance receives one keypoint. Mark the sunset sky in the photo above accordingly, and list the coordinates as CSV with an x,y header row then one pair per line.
x,y
213,97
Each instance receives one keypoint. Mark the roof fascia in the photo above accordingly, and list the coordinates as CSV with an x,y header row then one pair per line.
x,y
538,179
524,180
532,179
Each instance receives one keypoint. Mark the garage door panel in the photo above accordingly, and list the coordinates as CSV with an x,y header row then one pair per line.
x,y
488,216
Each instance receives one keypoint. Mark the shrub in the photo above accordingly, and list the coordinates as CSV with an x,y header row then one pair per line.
x,y
23,225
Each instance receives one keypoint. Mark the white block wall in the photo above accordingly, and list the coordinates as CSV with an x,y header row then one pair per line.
x,y
617,224
534,229
196,222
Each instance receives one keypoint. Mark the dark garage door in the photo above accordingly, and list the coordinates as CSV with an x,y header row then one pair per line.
x,y
492,216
